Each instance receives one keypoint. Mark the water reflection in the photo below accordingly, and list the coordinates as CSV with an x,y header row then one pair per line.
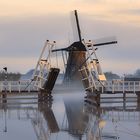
x,y
44,122
97,123
45,109
76,116
4,109
70,117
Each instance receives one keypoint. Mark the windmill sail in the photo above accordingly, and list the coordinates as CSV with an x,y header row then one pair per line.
x,y
76,26
104,41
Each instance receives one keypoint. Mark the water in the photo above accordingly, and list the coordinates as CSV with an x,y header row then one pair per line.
x,y
66,116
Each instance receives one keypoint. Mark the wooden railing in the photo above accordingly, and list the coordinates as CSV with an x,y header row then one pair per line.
x,y
17,86
119,86
108,86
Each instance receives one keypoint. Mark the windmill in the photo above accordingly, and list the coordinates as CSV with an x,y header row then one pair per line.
x,y
82,61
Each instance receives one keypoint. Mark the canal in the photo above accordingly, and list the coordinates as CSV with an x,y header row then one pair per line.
x,y
67,116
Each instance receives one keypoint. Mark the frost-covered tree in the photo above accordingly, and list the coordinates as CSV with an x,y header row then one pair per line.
x,y
137,73
111,76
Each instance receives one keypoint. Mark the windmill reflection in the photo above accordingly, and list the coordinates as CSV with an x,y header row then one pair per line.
x,y
84,122
79,123
77,118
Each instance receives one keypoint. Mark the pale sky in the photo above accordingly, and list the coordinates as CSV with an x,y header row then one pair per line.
x,y
25,25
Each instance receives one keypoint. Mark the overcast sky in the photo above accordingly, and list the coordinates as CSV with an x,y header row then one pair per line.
x,y
25,25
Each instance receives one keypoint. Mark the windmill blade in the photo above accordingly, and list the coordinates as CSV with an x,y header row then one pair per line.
x,y
61,49
105,41
76,26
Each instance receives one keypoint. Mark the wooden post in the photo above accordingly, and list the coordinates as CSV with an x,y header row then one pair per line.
x,y
134,87
129,86
102,89
98,100
1,86
139,86
112,86
19,86
4,94
118,88
124,100
123,86
138,100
